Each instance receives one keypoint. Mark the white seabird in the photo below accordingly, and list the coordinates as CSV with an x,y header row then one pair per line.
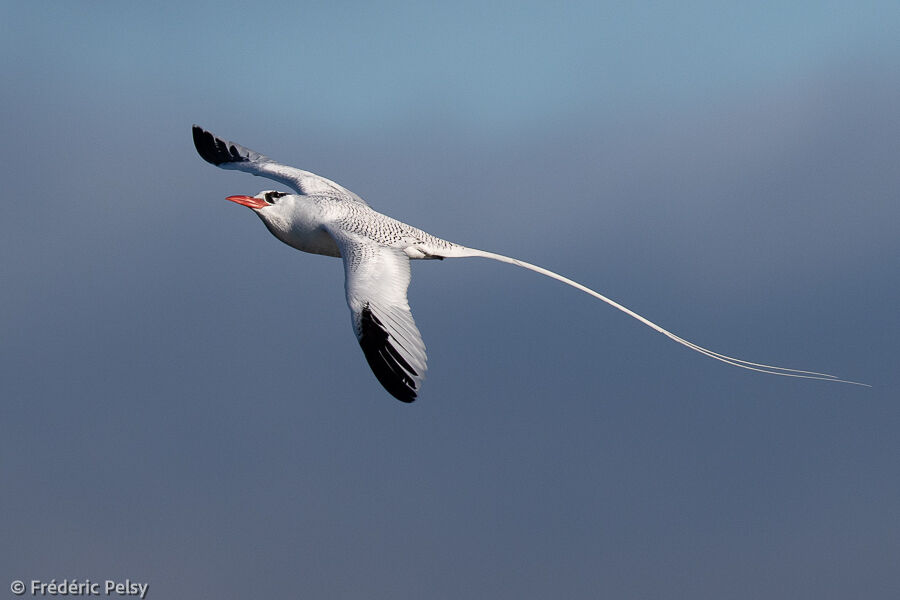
x,y
326,218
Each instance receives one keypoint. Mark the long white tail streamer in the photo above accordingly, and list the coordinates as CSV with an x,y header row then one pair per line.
x,y
737,362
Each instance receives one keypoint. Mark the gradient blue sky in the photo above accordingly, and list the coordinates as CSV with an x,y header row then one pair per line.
x,y
184,402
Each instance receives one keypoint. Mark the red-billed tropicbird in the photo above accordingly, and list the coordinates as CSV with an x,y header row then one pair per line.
x,y
326,218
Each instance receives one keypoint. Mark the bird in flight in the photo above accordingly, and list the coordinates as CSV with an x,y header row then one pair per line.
x,y
323,217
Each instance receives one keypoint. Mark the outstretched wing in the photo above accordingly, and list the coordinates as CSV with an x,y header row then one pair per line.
x,y
229,155
376,280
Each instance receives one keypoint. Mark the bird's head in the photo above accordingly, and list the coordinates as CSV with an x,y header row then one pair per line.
x,y
276,209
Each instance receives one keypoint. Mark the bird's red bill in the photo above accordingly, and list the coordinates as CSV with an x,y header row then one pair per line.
x,y
254,203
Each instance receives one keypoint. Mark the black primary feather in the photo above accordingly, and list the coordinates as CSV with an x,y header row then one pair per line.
x,y
392,371
215,150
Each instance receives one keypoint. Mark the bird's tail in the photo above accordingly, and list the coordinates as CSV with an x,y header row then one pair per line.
x,y
462,252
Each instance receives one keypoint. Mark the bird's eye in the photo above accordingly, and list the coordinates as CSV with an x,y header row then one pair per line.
x,y
272,196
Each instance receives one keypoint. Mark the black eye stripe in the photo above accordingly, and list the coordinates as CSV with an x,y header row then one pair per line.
x,y
271,196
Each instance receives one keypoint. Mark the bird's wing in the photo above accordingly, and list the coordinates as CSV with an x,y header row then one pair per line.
x,y
229,155
376,280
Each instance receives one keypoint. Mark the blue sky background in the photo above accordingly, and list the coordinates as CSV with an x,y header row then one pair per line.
x,y
184,402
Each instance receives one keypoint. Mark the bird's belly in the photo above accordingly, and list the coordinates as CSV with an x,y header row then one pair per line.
x,y
316,241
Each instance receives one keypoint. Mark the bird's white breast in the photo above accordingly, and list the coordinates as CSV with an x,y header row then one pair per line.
x,y
300,225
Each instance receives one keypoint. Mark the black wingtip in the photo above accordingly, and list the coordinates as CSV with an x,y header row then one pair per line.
x,y
214,150
389,367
